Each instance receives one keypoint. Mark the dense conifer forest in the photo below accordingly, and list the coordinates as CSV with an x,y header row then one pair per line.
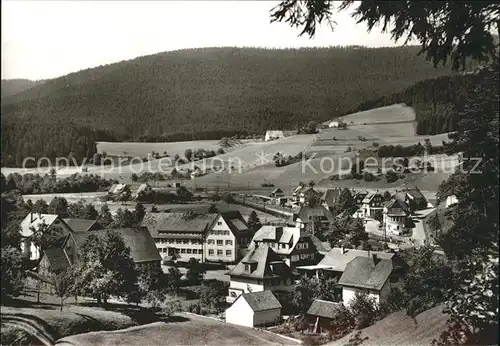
x,y
213,92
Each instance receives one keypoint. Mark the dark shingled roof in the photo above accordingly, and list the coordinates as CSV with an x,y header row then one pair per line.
x,y
305,212
397,207
365,272
324,308
80,225
268,264
338,258
235,221
177,222
261,301
57,259
142,246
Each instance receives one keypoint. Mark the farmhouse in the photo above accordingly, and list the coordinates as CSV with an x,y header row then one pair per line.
x,y
179,234
273,134
277,193
254,309
396,214
336,260
33,221
372,276
322,313
116,189
333,123
293,245
261,270
310,215
358,198
371,204
414,198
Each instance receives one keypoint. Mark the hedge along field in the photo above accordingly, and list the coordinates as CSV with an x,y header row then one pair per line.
x,y
139,149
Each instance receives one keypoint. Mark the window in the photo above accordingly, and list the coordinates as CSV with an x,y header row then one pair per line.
x,y
219,223
227,233
219,252
210,242
305,245
211,252
219,242
185,241
183,250
178,241
188,251
247,268
229,242
229,253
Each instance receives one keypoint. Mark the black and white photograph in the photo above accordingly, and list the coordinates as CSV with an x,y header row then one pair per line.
x,y
285,172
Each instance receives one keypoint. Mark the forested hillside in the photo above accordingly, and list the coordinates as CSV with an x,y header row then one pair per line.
x,y
433,100
13,86
199,93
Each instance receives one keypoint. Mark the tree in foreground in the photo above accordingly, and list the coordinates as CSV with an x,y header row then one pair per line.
x,y
253,222
105,268
195,272
13,272
446,30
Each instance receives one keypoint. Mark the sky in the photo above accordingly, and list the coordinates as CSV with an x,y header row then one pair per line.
x,y
48,39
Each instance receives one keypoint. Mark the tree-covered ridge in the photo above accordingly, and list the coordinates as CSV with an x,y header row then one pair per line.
x,y
11,87
194,94
434,101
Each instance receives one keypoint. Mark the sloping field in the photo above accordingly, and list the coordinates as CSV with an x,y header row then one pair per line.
x,y
196,331
396,113
399,329
143,149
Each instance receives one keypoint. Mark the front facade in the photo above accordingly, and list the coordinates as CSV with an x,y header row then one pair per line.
x,y
372,204
379,296
396,215
273,135
254,309
260,270
227,235
33,221
358,198
293,245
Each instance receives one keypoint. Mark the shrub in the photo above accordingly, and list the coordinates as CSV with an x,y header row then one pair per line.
x,y
367,176
375,145
194,308
391,176
170,305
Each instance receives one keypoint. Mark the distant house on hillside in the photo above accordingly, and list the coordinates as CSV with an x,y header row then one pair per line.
x,y
358,197
308,215
33,221
254,309
82,225
273,135
116,189
371,204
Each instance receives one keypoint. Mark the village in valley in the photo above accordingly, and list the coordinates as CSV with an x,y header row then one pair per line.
x,y
351,226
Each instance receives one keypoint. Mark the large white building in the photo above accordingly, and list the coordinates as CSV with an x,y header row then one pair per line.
x,y
254,309
396,214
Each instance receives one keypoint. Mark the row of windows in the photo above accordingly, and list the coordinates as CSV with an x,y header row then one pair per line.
x,y
178,241
302,245
211,252
220,232
220,242
183,251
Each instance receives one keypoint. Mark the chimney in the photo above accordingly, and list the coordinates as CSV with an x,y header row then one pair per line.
x,y
375,258
31,218
343,249
279,233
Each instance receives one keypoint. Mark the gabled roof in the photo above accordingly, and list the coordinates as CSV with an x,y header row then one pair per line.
x,y
35,220
80,225
267,264
277,190
274,133
57,259
365,272
368,198
319,211
396,203
260,301
235,221
360,193
338,258
299,188
330,196
157,223
281,235
324,308
414,193
141,244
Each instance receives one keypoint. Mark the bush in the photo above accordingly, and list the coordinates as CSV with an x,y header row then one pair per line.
x,y
367,176
194,308
375,145
391,176
170,305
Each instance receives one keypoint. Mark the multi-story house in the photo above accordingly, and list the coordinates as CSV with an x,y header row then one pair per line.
x,y
226,237
308,216
215,237
373,276
181,235
261,270
293,245
396,214
414,198
33,222
358,198
373,203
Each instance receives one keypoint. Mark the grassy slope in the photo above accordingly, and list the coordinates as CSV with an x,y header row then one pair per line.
x,y
399,329
196,331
